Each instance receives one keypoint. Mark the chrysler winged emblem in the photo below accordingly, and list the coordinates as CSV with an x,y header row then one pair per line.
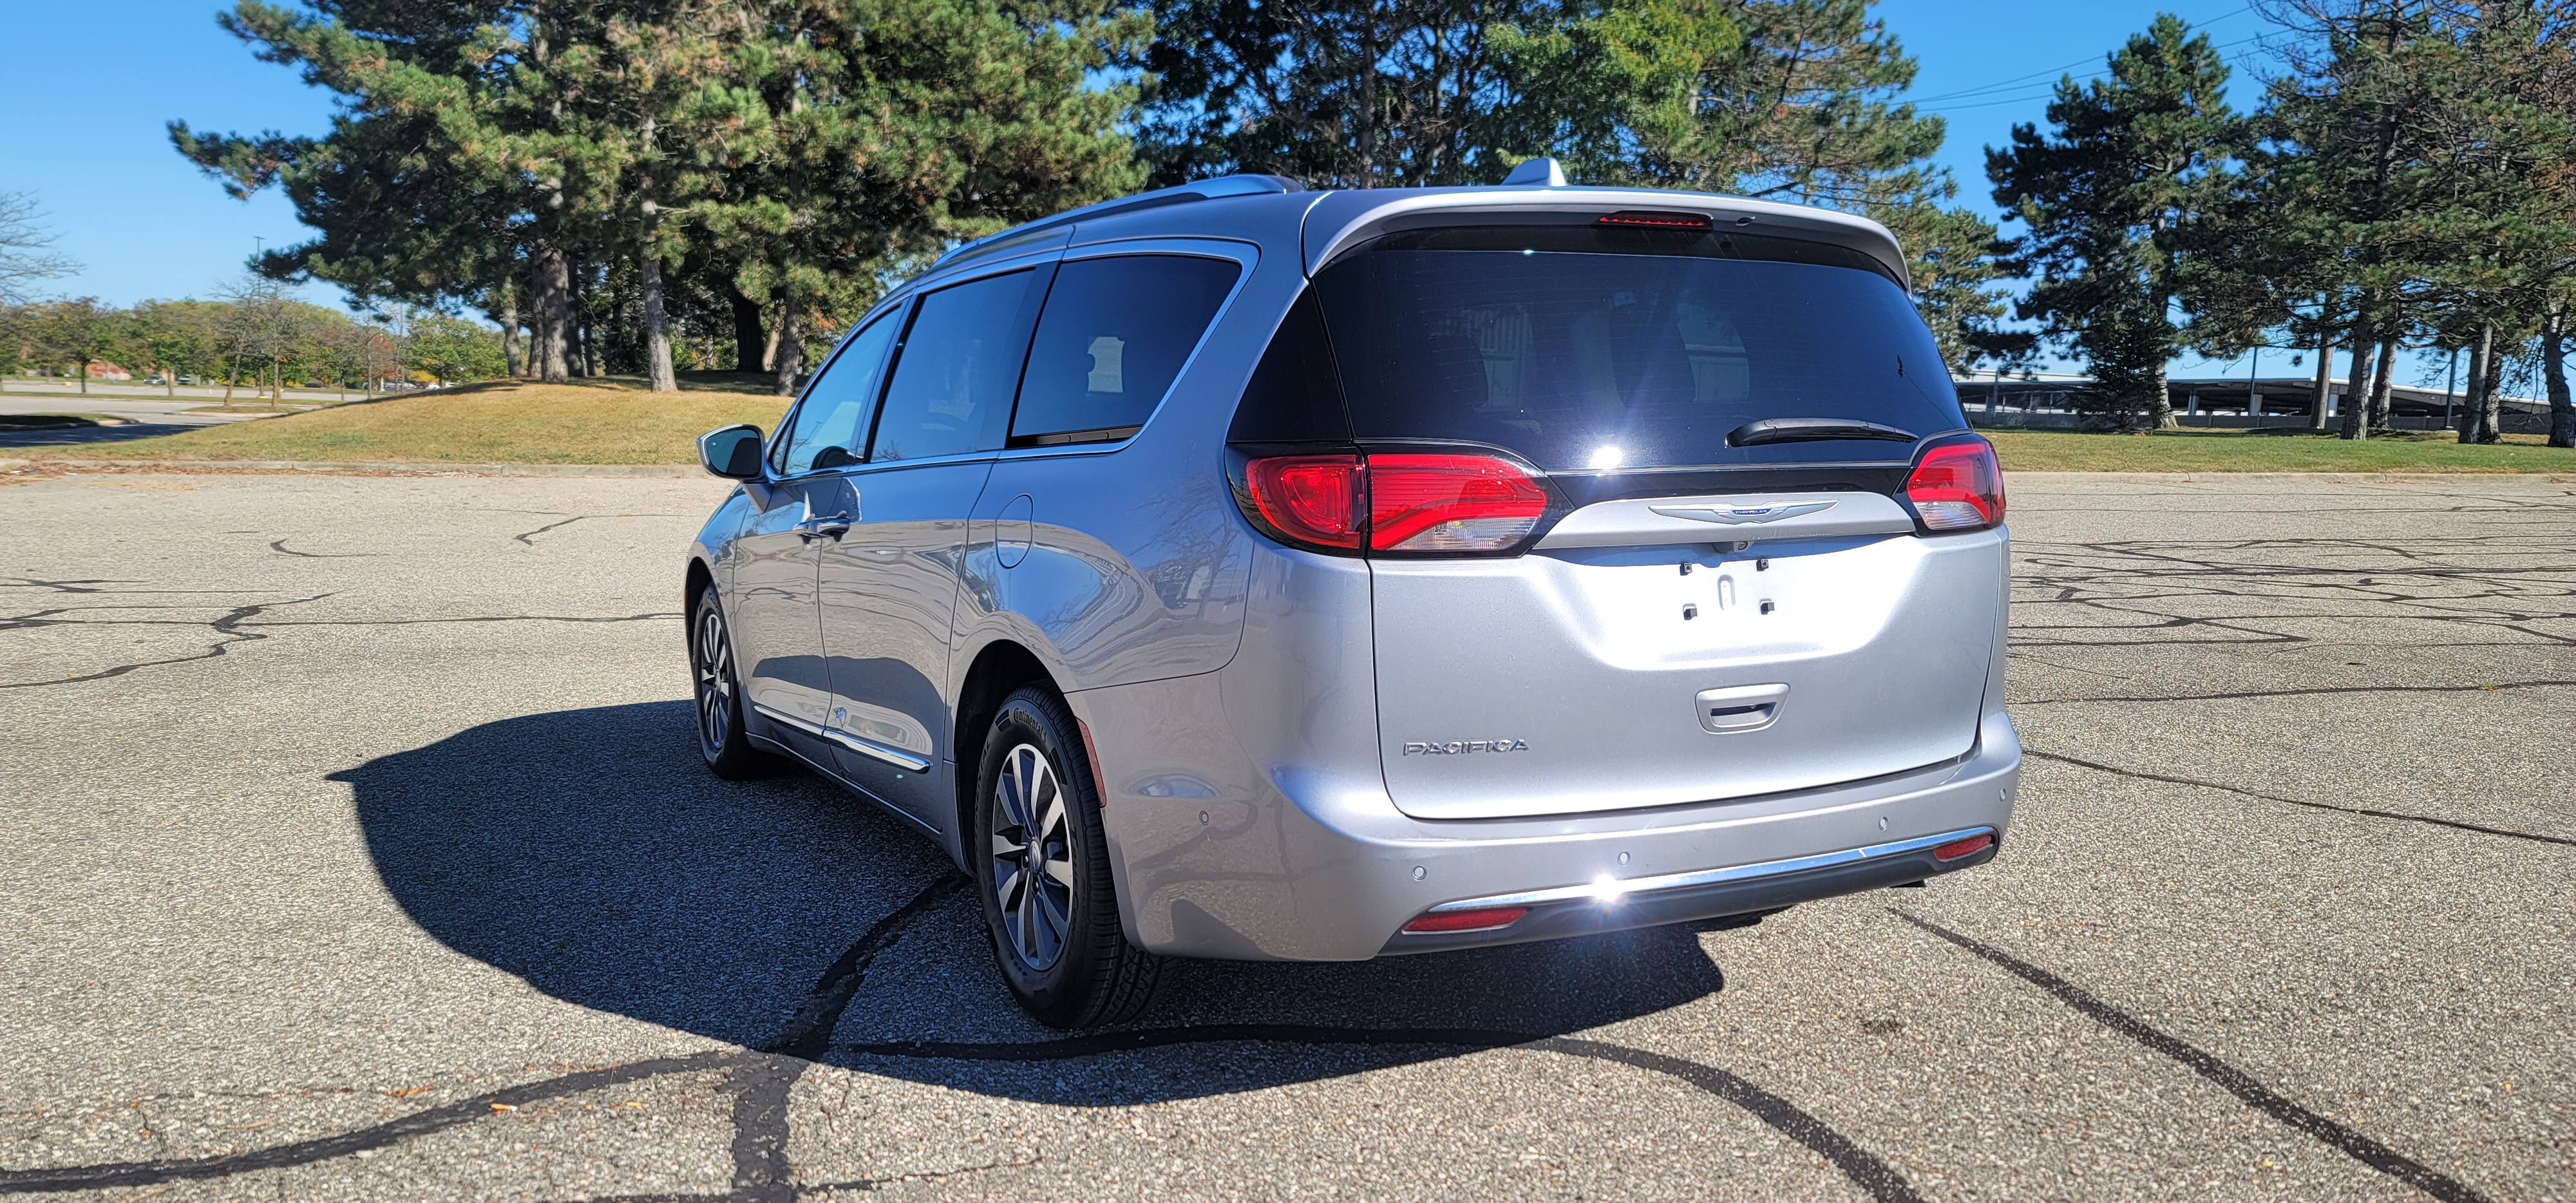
x,y
1737,515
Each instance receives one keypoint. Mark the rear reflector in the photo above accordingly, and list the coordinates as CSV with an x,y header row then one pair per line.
x,y
1663,221
1957,486
1449,921
1968,847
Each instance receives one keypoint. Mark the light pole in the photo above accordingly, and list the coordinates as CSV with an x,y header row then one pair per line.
x,y
2253,394
2449,385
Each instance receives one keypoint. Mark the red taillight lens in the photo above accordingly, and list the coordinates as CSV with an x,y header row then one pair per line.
x,y
1968,847
1667,221
1450,503
1396,502
1957,486
1486,920
1318,499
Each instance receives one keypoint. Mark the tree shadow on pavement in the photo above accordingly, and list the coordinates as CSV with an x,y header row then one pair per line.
x,y
588,853
70,436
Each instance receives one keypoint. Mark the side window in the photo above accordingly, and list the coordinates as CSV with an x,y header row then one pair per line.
x,y
832,425
960,363
1113,337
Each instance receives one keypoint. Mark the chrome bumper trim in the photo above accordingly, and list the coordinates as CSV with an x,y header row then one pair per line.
x,y
1608,888
902,760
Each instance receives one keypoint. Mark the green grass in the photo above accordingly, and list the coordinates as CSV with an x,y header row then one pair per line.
x,y
597,421
2270,451
614,421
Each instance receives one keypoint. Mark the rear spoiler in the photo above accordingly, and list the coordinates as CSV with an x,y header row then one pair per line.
x,y
1342,221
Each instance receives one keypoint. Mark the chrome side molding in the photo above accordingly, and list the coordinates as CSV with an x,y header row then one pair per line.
x,y
902,760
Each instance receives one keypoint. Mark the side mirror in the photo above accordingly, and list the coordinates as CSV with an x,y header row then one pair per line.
x,y
732,453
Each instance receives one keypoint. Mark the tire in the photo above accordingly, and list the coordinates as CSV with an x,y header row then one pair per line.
x,y
1050,906
722,740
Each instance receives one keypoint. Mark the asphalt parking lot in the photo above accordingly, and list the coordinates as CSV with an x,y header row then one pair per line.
x,y
352,845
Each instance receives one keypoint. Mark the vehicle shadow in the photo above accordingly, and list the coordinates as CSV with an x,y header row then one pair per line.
x,y
588,853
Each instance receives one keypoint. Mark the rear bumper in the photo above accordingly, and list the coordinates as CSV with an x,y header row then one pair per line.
x,y
1614,905
1240,860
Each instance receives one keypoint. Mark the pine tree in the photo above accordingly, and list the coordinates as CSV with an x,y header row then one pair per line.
x,y
2107,197
795,149
1791,100
2416,159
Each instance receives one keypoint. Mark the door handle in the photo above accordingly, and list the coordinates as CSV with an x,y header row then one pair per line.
x,y
832,527
1740,708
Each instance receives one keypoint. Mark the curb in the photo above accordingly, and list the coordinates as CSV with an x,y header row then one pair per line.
x,y
315,467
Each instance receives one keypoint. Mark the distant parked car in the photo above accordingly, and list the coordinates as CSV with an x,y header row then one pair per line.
x,y
1240,571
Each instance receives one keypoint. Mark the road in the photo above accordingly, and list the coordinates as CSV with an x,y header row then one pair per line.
x,y
355,848
148,418
41,386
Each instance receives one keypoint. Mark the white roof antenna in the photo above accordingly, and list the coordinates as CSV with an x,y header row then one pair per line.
x,y
1536,173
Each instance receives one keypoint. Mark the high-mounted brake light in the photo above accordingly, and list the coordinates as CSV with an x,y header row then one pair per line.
x,y
1662,221
1397,502
1957,486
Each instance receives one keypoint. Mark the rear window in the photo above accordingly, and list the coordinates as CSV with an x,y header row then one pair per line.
x,y
1582,349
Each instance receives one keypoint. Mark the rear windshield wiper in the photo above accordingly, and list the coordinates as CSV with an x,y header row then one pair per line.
x,y
1812,430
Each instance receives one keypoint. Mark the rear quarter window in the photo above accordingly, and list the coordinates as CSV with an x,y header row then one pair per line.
x,y
1112,339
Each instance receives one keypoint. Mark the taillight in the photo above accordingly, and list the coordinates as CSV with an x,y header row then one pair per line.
x,y
1957,486
1450,503
1320,500
1396,502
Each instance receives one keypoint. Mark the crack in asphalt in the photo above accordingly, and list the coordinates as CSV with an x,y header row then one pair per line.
x,y
2235,1081
2308,691
281,548
236,627
1865,1169
647,616
761,1172
820,1188
230,626
2363,811
530,537
324,1148
763,1080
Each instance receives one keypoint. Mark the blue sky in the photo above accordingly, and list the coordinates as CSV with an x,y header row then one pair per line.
x,y
86,130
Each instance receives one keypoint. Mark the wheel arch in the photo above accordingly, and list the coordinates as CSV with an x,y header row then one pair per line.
x,y
1002,667
699,576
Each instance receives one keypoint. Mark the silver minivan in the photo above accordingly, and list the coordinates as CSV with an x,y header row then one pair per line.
x,y
1242,571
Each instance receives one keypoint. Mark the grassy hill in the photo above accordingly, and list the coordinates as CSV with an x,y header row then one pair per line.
x,y
2271,451
615,421
611,420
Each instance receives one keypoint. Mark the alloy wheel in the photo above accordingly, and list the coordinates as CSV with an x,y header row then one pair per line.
x,y
715,678
1032,857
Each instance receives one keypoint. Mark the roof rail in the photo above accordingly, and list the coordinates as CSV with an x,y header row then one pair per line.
x,y
1195,190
